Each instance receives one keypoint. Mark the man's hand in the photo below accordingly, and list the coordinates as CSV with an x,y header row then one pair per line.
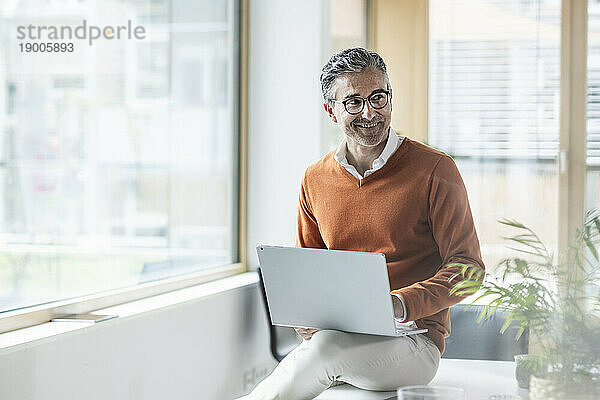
x,y
398,309
306,333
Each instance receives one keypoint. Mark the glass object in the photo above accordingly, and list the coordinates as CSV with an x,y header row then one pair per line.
x,y
526,366
522,373
431,393
547,387
117,160
356,104
494,101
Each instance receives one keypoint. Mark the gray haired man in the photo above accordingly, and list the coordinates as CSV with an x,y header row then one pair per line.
x,y
378,192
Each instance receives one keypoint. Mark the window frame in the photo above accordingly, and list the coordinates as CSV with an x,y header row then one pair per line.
x,y
42,313
573,122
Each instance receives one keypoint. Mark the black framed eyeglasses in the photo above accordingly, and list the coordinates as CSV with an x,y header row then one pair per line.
x,y
355,105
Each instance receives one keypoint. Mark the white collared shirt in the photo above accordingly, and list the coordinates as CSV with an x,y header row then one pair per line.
x,y
393,142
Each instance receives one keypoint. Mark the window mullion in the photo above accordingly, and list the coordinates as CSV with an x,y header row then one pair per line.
x,y
572,148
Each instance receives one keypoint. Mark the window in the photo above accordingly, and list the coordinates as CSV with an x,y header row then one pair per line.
x,y
494,72
118,160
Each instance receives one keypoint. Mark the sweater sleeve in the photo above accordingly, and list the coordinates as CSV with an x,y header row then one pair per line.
x,y
308,234
453,230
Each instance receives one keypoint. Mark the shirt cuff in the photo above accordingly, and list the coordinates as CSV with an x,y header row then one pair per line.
x,y
403,306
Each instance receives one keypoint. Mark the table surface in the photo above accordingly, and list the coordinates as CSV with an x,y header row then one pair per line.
x,y
479,378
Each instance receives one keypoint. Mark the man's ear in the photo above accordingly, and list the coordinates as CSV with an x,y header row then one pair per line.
x,y
390,99
329,111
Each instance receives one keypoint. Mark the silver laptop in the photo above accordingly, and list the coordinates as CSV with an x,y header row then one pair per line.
x,y
330,289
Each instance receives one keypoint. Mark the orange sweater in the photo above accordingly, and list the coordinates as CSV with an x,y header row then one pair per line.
x,y
414,209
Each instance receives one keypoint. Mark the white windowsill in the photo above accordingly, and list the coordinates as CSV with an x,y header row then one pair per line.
x,y
21,338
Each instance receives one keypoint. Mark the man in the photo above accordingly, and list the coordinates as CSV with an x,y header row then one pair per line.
x,y
378,192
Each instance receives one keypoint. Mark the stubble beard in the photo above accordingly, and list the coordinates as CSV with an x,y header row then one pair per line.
x,y
369,139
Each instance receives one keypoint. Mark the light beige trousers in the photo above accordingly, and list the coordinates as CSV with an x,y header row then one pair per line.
x,y
366,361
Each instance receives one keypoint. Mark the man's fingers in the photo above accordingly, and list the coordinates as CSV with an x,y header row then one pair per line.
x,y
309,331
306,333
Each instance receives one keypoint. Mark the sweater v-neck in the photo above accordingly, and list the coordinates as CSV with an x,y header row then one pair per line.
x,y
393,160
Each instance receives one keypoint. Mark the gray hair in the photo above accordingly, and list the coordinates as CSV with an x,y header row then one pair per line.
x,y
349,60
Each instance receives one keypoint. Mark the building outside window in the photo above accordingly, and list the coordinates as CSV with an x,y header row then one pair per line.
x,y
118,161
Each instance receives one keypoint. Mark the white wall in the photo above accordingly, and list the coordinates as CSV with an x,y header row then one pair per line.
x,y
285,107
210,348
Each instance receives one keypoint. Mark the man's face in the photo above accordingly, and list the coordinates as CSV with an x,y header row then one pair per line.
x,y
369,127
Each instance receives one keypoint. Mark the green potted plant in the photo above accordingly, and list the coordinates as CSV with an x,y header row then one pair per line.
x,y
557,301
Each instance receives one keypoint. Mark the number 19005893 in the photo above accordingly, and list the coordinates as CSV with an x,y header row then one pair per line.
x,y
46,47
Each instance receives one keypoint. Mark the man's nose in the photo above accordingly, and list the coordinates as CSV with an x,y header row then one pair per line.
x,y
368,111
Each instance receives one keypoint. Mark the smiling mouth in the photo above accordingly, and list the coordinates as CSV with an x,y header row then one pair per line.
x,y
367,126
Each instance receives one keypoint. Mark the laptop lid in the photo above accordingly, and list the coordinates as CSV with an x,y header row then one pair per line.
x,y
327,289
